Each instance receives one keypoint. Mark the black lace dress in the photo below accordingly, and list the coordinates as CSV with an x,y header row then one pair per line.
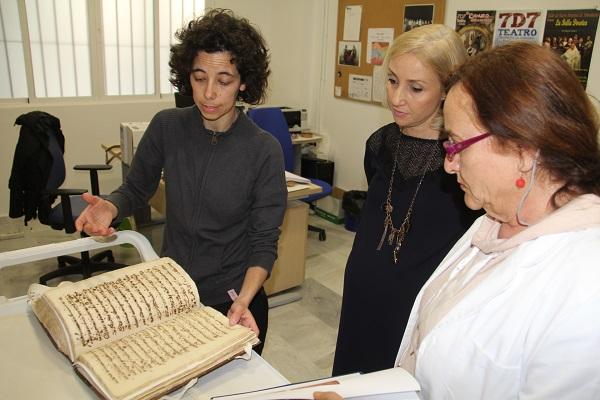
x,y
378,293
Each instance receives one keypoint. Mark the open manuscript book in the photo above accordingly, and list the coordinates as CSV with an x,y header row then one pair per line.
x,y
138,332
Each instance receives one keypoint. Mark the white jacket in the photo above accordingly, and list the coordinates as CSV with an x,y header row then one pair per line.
x,y
531,330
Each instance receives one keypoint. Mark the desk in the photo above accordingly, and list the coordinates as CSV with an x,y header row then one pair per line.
x,y
158,201
306,138
132,131
288,270
32,368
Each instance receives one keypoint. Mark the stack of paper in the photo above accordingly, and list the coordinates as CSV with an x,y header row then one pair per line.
x,y
289,177
295,182
393,383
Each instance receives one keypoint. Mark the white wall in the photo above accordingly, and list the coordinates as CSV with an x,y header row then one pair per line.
x,y
301,35
349,123
86,125
289,31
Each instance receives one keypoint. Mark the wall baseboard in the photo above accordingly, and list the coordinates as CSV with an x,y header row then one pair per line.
x,y
11,228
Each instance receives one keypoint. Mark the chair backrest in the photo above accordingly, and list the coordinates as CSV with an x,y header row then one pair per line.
x,y
57,171
271,119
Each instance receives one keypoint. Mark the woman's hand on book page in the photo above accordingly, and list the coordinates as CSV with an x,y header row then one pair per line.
x,y
240,314
327,396
96,218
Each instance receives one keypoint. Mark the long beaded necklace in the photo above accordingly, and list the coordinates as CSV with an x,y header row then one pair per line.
x,y
396,235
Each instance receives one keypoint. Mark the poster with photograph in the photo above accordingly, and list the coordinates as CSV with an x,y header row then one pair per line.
x,y
349,53
476,29
417,15
518,25
571,34
378,41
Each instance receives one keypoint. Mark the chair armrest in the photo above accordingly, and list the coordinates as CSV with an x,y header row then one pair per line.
x,y
65,203
89,167
64,192
93,168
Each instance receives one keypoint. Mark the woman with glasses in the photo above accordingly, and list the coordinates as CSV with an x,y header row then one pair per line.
x,y
513,311
414,211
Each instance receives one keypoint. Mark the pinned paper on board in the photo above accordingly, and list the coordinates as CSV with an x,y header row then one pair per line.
x,y
359,87
352,18
378,42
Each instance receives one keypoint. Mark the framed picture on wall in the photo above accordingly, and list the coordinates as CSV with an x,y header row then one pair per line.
x,y
349,53
571,33
417,15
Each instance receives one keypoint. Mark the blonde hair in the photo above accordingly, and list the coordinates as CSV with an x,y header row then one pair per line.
x,y
437,46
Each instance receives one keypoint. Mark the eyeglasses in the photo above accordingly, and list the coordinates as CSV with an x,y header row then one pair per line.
x,y
453,148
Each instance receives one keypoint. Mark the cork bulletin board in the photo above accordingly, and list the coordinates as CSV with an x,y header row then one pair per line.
x,y
365,29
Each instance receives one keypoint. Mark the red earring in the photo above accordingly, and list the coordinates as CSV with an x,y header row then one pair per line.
x,y
520,183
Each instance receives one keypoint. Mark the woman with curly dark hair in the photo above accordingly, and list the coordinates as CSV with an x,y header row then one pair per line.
x,y
225,186
218,32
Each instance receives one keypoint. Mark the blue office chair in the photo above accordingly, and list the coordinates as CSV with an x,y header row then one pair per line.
x,y
271,119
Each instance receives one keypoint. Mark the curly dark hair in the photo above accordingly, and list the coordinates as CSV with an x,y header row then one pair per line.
x,y
220,30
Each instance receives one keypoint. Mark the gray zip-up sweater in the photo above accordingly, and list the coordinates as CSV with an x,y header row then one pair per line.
x,y
225,196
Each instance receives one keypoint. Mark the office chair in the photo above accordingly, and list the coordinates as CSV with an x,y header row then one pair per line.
x,y
271,119
41,131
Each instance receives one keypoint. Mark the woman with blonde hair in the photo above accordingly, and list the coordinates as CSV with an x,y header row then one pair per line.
x,y
512,312
414,212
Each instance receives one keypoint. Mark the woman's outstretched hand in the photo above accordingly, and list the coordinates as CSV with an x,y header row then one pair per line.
x,y
96,218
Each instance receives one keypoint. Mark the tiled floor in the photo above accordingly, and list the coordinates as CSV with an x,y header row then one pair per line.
x,y
301,337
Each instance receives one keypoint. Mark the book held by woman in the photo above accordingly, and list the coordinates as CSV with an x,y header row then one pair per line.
x,y
138,332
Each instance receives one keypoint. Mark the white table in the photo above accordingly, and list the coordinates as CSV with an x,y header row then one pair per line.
x,y
32,368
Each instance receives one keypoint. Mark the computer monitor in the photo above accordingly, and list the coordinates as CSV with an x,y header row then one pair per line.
x,y
182,100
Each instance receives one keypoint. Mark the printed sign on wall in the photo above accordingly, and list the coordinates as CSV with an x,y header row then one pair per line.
x,y
476,29
571,34
518,25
